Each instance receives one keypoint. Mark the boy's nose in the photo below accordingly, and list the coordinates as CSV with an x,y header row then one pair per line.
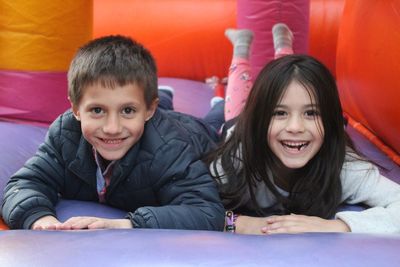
x,y
295,124
112,125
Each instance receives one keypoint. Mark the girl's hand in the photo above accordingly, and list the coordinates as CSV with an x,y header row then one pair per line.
x,y
294,223
76,223
250,225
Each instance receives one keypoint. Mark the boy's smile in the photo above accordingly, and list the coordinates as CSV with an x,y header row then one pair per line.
x,y
296,132
112,119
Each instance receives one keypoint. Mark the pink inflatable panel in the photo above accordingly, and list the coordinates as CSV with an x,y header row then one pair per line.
x,y
260,16
35,97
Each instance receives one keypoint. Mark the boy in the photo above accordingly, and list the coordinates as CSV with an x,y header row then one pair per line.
x,y
116,147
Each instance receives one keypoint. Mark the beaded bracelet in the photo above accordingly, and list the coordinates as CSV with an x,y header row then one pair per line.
x,y
230,221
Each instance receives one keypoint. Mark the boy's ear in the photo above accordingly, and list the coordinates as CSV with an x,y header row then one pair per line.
x,y
75,110
152,109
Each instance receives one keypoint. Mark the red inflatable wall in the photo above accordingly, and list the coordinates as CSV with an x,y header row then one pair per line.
x,y
368,64
186,37
325,19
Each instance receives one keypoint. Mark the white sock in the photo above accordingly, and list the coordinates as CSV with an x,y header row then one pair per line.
x,y
283,37
241,41
215,100
166,88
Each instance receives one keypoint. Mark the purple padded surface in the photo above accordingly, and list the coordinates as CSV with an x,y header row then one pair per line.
x,y
177,248
141,247
389,168
18,143
69,208
190,96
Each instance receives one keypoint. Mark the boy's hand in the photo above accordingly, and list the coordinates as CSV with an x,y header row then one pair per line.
x,y
294,223
76,223
46,223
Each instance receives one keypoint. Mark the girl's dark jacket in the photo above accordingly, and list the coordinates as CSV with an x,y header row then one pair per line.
x,y
161,182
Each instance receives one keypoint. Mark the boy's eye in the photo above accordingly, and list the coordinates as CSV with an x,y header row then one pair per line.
x,y
128,110
97,110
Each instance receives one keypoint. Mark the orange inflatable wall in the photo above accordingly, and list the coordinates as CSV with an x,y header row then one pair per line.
x,y
185,37
368,65
325,19
358,41
42,35
37,41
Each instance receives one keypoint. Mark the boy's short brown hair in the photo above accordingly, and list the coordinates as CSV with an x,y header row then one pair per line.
x,y
112,60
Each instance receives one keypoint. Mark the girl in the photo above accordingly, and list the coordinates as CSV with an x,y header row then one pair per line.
x,y
287,164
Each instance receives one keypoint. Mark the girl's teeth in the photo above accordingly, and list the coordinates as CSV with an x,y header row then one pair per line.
x,y
295,146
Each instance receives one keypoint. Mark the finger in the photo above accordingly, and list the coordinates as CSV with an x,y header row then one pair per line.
x,y
76,223
99,224
67,225
287,226
71,221
52,226
63,226
37,227
276,218
282,225
272,219
82,224
283,230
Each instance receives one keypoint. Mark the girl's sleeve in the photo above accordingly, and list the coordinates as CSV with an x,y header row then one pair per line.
x,y
363,184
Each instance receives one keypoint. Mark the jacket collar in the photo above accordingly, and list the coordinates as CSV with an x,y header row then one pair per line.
x,y
84,165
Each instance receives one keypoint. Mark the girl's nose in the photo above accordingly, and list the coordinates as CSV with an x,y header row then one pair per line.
x,y
295,124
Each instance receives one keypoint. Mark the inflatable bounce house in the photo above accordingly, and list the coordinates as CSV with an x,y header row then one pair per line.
x,y
358,40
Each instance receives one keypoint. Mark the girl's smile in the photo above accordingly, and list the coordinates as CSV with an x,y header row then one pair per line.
x,y
294,146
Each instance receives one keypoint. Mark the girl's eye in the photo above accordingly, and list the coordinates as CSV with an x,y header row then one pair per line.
x,y
312,113
128,110
279,113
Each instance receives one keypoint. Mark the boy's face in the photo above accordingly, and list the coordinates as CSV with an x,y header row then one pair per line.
x,y
112,119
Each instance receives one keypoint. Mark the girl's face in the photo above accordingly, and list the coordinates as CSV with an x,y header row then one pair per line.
x,y
296,132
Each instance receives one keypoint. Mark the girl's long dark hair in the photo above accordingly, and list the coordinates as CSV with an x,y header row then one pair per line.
x,y
316,189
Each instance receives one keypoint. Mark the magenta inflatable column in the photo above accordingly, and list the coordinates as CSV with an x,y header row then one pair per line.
x,y
260,16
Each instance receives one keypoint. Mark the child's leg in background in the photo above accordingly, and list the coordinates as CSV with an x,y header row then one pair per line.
x,y
165,96
239,79
283,40
215,117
